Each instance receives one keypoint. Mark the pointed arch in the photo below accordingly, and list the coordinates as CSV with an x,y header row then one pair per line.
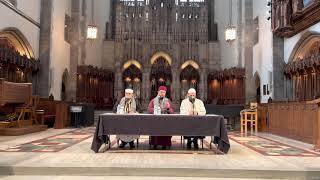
x,y
257,78
304,45
18,40
64,83
128,63
191,63
159,54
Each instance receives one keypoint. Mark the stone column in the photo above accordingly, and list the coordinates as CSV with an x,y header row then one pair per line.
x,y
175,87
248,51
278,64
43,87
202,84
118,84
74,49
205,85
240,33
145,87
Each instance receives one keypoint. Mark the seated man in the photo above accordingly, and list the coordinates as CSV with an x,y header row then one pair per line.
x,y
160,105
127,105
192,106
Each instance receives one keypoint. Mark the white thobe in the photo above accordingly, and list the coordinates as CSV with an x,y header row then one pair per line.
x,y
188,108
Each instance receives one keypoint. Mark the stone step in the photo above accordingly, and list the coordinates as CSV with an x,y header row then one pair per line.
x,y
157,172
22,130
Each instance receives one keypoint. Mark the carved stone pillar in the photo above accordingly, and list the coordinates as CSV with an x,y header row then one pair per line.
x,y
146,88
75,49
175,86
202,85
45,44
118,84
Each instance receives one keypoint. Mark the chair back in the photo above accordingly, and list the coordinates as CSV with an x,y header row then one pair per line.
x,y
253,105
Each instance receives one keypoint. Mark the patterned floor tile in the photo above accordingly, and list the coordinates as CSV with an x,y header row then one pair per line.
x,y
176,148
54,143
269,147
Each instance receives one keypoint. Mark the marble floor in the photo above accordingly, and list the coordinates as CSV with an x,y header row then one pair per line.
x,y
66,153
115,178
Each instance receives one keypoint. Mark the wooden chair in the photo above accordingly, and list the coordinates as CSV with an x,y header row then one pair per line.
x,y
27,113
249,116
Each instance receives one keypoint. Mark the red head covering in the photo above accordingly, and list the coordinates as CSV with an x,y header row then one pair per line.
x,y
162,88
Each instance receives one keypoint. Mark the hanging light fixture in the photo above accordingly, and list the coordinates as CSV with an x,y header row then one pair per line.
x,y
92,30
231,31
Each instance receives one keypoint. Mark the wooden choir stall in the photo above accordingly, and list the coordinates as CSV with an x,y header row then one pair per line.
x,y
17,101
227,86
226,94
296,120
299,117
15,67
95,85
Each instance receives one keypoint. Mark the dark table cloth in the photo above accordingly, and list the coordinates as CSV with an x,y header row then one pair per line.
x,y
161,125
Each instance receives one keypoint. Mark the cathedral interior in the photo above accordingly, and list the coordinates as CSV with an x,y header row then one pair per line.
x,y
55,54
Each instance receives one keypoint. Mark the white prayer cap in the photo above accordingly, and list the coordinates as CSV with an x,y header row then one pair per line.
x,y
128,90
192,90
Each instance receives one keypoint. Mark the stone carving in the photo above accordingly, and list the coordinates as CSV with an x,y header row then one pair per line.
x,y
178,29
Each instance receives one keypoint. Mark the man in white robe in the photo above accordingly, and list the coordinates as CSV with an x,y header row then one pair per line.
x,y
192,106
127,105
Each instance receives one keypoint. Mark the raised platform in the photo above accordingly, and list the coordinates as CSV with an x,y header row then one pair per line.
x,y
66,152
159,172
22,130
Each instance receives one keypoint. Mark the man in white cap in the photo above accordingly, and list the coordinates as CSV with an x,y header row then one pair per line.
x,y
192,106
129,105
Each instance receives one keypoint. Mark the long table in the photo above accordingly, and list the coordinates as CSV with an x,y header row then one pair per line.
x,y
161,125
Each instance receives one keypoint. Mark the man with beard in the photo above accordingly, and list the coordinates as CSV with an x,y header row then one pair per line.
x,y
127,105
192,106
160,105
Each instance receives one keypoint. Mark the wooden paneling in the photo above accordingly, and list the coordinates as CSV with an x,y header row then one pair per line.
x,y
95,86
13,66
303,73
293,120
227,86
292,17
59,109
14,92
262,117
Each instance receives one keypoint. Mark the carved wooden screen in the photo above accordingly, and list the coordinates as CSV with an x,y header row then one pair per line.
x,y
227,87
303,74
160,76
290,17
13,66
189,78
132,78
95,86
